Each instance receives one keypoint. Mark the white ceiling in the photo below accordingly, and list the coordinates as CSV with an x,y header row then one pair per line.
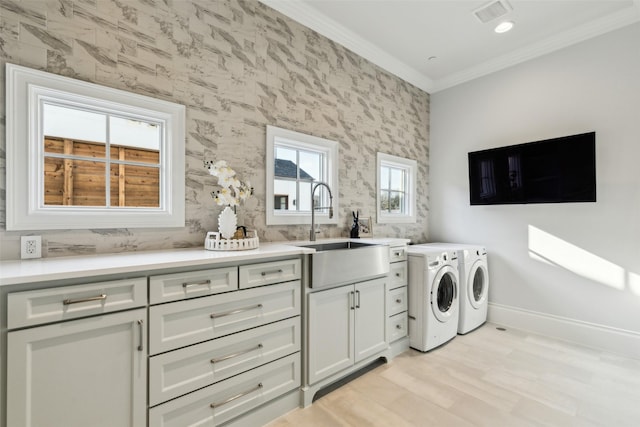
x,y
401,35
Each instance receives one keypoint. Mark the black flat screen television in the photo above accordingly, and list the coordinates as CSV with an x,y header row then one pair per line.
x,y
558,170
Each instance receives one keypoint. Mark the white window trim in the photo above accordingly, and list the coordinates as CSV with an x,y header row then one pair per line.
x,y
411,167
26,89
304,142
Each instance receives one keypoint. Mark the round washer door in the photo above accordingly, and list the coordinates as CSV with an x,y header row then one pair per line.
x,y
444,294
478,284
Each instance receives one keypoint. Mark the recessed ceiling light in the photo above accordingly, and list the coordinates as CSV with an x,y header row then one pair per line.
x,y
503,27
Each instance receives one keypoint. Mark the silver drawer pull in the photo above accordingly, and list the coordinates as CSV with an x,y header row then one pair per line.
x,y
397,274
398,254
240,310
140,346
398,301
204,282
278,271
398,327
240,353
237,396
79,300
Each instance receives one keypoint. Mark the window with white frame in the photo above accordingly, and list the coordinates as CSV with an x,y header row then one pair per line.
x,y
295,161
80,155
396,200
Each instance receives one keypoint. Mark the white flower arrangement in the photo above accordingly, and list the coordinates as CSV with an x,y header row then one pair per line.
x,y
233,190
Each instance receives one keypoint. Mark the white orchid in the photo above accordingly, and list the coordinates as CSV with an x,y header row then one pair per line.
x,y
233,191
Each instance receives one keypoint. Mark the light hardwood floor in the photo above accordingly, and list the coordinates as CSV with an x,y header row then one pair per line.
x,y
486,378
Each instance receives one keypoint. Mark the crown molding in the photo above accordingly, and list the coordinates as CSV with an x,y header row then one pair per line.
x,y
311,18
578,34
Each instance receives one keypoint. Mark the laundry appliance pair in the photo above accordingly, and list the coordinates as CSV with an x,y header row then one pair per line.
x,y
448,287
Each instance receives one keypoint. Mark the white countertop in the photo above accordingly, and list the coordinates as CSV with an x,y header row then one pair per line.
x,y
46,269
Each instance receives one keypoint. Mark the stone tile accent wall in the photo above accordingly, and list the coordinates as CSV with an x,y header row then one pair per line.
x,y
237,65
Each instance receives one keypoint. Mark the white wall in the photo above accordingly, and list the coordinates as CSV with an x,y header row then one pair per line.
x,y
594,85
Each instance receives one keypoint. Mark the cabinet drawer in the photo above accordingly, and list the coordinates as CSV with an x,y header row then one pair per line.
x,y
396,301
70,302
182,371
398,274
267,273
178,286
397,327
183,323
397,253
228,399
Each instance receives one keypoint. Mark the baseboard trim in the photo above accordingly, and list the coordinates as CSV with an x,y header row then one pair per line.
x,y
613,340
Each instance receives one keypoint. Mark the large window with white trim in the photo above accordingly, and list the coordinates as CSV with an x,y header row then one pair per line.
x,y
80,155
295,162
396,197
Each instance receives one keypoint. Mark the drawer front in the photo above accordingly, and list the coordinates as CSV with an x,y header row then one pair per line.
x,y
397,327
396,301
398,274
183,323
228,399
178,286
70,302
267,273
182,371
397,253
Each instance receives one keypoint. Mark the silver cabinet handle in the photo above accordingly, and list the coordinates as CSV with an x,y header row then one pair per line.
x,y
398,327
397,274
76,301
230,312
141,345
237,396
203,282
278,271
240,353
398,301
358,296
352,300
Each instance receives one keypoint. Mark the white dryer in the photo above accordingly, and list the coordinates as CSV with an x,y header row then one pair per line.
x,y
433,296
474,283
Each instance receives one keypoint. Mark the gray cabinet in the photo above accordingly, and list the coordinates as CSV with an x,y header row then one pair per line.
x,y
397,294
219,356
85,372
346,325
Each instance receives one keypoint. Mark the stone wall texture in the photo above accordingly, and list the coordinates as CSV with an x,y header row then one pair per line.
x,y
237,66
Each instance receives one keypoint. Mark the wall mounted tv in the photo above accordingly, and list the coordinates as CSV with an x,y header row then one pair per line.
x,y
558,170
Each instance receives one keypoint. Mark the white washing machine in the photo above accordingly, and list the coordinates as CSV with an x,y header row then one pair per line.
x,y
473,270
433,296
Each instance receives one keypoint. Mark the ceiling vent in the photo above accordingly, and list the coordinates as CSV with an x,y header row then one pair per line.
x,y
493,10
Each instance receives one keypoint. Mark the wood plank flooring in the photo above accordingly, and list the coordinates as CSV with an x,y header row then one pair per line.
x,y
486,378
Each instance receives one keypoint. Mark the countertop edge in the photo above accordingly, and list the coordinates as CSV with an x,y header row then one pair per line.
x,y
72,267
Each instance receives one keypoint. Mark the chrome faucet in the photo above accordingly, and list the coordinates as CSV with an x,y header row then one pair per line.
x,y
312,233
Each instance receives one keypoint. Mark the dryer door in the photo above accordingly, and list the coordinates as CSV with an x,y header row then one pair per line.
x,y
444,294
478,284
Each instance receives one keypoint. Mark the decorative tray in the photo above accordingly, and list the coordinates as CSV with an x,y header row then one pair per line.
x,y
214,242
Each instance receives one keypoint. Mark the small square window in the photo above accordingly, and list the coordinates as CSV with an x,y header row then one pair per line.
x,y
295,161
396,189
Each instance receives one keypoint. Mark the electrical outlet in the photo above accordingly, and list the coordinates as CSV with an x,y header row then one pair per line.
x,y
30,247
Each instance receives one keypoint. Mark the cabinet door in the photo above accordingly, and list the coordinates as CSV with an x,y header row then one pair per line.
x,y
371,321
87,372
331,319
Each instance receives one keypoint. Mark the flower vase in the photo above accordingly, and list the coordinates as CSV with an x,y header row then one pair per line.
x,y
227,222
